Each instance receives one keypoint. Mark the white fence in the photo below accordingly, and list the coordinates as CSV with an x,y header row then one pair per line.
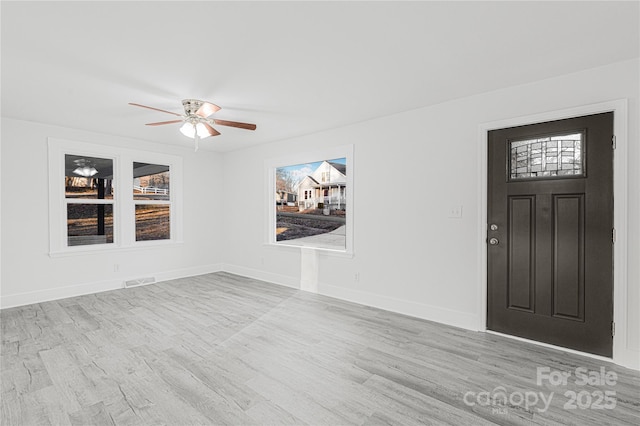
x,y
150,190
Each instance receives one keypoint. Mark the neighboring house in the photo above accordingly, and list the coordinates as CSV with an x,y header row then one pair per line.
x,y
326,185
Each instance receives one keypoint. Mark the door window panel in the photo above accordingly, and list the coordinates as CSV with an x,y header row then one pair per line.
x,y
547,157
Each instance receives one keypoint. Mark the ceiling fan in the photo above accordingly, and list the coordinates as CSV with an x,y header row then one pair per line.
x,y
196,118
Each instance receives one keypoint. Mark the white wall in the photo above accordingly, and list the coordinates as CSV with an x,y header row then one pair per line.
x,y
410,256
30,275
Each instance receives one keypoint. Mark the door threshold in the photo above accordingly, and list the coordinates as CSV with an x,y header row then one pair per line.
x,y
550,346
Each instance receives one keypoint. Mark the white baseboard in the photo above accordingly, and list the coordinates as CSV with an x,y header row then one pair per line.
x,y
402,306
189,272
27,298
256,274
625,357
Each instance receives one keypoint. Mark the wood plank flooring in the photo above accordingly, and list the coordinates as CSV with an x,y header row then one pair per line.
x,y
220,349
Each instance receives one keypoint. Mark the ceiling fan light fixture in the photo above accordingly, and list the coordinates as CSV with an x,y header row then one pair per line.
x,y
188,130
202,131
86,171
85,168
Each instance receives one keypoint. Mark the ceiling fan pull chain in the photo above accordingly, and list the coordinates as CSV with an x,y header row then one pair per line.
x,y
196,138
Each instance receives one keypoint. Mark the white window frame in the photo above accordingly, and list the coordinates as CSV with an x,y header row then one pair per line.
x,y
344,151
124,237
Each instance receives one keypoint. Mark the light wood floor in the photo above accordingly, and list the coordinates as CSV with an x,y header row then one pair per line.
x,y
222,349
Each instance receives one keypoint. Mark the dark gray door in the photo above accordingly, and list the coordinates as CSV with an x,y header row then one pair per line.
x,y
550,214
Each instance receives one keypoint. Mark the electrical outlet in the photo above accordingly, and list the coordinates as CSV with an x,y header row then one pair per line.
x,y
356,277
455,212
116,267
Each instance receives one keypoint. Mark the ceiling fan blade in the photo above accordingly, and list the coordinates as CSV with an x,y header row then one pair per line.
x,y
160,123
235,124
155,109
211,130
206,109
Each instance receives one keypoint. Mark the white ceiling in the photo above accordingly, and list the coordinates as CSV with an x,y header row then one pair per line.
x,y
292,68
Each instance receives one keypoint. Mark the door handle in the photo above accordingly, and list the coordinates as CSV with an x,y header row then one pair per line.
x,y
494,241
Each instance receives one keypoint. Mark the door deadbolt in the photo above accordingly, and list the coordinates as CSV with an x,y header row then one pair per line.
x,y
494,241
493,227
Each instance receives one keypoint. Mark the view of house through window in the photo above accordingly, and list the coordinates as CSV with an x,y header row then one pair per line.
x,y
88,185
152,198
311,204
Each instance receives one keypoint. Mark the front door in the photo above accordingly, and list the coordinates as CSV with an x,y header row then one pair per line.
x,y
550,214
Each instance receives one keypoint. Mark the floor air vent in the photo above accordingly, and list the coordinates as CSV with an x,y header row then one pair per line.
x,y
139,281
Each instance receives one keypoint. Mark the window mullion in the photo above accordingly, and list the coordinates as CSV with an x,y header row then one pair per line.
x,y
148,202
88,201
127,207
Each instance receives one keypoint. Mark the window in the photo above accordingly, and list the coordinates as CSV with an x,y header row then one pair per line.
x,y
151,192
108,198
321,215
547,157
88,183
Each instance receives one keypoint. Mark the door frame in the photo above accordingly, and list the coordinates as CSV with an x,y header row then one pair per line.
x,y
621,354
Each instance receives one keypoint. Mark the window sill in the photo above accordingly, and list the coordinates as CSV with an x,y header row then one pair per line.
x,y
101,249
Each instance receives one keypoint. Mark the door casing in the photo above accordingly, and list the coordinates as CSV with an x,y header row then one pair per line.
x,y
621,354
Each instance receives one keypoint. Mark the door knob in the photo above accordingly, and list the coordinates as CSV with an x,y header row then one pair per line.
x,y
494,241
